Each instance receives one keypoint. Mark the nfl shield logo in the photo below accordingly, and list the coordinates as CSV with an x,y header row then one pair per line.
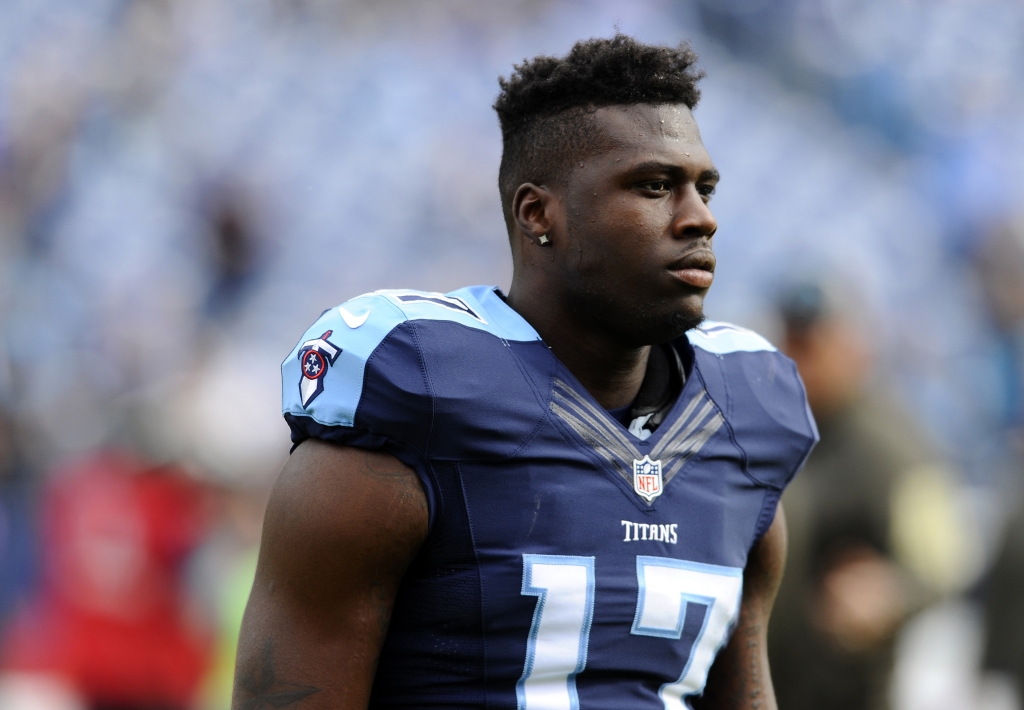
x,y
647,478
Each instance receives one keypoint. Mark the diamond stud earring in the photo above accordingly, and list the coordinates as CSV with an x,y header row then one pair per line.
x,y
543,240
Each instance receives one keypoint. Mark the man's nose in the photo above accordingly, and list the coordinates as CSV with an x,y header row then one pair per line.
x,y
693,218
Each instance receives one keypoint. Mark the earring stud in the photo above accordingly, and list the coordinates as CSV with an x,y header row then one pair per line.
x,y
543,240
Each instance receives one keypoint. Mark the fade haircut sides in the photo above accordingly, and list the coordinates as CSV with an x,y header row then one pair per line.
x,y
545,106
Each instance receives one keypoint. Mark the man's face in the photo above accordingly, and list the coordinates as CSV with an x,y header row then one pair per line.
x,y
638,261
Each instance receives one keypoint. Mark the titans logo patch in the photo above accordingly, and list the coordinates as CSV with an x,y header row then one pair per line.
x,y
315,356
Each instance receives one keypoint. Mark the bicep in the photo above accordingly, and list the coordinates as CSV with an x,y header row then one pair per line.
x,y
740,678
341,527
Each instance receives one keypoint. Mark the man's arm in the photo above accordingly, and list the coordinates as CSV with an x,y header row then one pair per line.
x,y
341,527
740,679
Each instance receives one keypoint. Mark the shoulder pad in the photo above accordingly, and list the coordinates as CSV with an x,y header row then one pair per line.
x,y
323,376
760,392
477,307
722,338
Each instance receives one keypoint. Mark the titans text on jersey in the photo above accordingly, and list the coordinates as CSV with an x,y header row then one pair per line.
x,y
570,563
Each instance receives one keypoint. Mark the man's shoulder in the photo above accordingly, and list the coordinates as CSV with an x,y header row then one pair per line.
x,y
478,308
741,368
720,338
759,391
388,339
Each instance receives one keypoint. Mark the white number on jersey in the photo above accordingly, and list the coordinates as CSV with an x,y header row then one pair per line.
x,y
556,651
667,586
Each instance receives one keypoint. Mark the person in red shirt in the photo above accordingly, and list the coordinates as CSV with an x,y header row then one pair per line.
x,y
111,616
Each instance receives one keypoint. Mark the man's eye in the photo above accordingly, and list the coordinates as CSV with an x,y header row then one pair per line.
x,y
706,190
657,186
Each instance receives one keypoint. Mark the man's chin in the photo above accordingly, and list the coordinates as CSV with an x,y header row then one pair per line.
x,y
674,325
682,321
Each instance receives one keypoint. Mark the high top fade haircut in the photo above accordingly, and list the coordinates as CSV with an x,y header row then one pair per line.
x,y
545,106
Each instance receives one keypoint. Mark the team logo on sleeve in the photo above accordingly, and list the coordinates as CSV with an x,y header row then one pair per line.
x,y
315,356
647,478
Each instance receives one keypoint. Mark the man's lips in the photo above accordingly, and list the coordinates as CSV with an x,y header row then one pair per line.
x,y
696,268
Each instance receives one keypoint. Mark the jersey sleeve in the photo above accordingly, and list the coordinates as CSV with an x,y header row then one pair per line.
x,y
356,378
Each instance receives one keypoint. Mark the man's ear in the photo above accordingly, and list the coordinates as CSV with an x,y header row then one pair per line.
x,y
531,211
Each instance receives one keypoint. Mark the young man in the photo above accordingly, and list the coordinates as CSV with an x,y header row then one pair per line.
x,y
560,498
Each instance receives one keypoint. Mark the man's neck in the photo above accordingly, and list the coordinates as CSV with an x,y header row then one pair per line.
x,y
610,372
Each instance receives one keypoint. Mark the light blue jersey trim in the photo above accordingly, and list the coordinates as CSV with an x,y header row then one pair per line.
x,y
360,325
478,307
504,322
722,338
343,383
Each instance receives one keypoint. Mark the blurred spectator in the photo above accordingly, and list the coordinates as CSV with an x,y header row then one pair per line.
x,y
1003,660
234,254
111,617
1000,266
17,521
873,525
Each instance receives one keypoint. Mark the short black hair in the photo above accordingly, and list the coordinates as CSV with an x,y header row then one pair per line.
x,y
544,106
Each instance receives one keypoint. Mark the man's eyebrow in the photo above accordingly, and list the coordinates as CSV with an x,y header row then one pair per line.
x,y
656,166
709,176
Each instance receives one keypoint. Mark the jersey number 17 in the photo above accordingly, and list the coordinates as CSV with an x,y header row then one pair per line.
x,y
556,650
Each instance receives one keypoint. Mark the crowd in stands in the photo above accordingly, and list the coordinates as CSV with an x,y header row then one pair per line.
x,y
185,185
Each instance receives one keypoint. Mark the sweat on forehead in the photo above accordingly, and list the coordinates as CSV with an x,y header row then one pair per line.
x,y
625,125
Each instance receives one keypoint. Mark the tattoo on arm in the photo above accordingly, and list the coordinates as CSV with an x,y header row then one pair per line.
x,y
259,681
752,652
741,679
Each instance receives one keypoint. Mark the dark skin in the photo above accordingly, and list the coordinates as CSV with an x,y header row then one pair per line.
x,y
740,678
604,291
627,265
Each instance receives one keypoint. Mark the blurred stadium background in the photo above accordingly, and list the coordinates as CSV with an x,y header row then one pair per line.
x,y
186,184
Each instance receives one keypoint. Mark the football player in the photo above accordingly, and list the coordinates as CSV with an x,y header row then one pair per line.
x,y
561,497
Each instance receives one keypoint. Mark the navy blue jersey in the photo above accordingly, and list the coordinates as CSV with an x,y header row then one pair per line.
x,y
569,563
